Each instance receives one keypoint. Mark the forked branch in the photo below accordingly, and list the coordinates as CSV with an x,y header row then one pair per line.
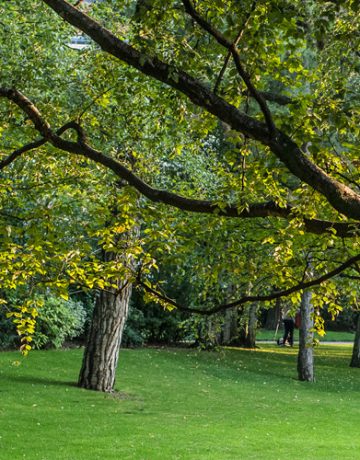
x,y
232,48
235,43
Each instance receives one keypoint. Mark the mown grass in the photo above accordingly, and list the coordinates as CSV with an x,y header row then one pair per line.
x,y
181,404
330,336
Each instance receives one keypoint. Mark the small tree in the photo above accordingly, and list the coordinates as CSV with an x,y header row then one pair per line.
x,y
355,359
306,339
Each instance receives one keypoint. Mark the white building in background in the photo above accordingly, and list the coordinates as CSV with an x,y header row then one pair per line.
x,y
81,41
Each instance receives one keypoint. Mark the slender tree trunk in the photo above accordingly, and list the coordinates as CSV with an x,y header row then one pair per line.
x,y
247,336
306,351
213,333
252,325
104,339
355,359
230,329
273,316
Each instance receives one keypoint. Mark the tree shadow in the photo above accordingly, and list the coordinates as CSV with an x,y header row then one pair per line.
x,y
36,380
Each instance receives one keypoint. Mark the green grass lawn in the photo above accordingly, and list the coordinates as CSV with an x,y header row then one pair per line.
x,y
330,336
182,404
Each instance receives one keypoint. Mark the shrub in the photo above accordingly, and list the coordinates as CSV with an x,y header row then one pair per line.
x,y
151,324
202,332
134,332
58,320
8,337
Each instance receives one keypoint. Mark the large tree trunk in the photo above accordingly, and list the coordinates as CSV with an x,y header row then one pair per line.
x,y
355,359
102,348
306,351
104,339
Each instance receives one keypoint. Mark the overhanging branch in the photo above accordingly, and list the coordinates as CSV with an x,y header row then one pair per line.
x,y
340,196
40,142
268,209
251,298
18,152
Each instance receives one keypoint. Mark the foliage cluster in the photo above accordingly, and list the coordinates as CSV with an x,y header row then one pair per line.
x,y
60,320
60,210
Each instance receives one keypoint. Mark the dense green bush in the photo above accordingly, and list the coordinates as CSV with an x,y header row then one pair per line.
x,y
345,321
134,333
149,323
8,336
201,331
58,320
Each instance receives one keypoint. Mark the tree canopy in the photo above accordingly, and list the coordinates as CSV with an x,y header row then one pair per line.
x,y
245,115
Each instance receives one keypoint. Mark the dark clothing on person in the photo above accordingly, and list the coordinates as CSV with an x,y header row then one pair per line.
x,y
288,331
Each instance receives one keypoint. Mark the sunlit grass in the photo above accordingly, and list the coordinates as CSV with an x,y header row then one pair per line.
x,y
330,336
182,404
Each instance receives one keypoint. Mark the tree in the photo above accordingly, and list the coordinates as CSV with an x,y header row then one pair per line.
x,y
309,181
306,338
355,359
103,343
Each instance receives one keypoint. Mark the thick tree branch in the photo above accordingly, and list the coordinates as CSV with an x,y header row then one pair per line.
x,y
27,106
341,197
349,180
251,298
268,209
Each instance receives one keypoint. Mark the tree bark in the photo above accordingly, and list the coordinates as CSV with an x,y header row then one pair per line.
x,y
355,359
230,327
273,316
104,339
306,351
247,336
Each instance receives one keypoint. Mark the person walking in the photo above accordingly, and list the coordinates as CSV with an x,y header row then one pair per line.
x,y
289,325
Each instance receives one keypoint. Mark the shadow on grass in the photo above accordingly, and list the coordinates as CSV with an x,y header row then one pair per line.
x,y
232,363
36,380
279,365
